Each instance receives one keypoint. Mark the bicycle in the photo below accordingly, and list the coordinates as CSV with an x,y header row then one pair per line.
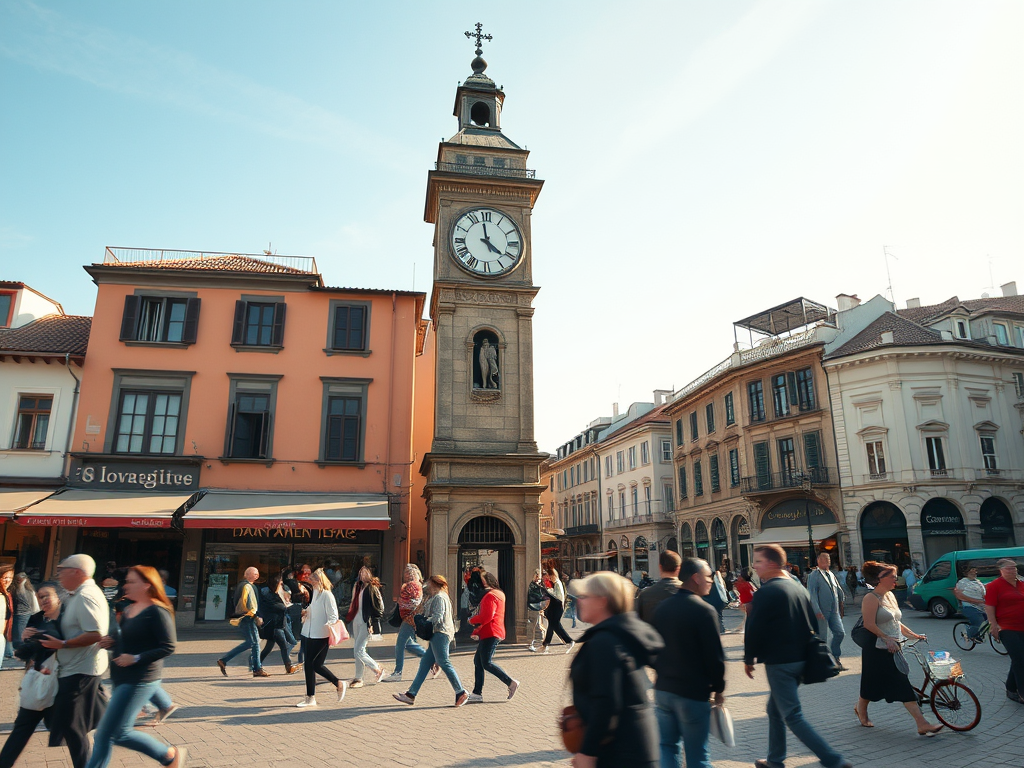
x,y
953,702
965,643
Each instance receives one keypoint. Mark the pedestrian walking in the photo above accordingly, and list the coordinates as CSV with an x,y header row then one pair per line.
x,y
745,589
828,602
779,626
650,598
25,605
852,584
537,601
718,598
273,610
7,607
364,614
971,593
247,605
81,661
909,580
438,613
30,650
880,678
691,668
317,618
609,683
490,630
1004,606
145,638
410,597
553,614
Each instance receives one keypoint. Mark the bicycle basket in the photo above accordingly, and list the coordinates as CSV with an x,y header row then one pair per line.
x,y
946,669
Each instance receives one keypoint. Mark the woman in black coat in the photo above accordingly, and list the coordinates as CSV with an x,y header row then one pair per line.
x,y
609,682
274,612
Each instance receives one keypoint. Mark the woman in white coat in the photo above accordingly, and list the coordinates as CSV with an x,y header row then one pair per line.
x,y
321,612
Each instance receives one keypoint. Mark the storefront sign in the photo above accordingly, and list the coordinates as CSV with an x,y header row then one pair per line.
x,y
133,475
944,522
282,532
107,522
794,512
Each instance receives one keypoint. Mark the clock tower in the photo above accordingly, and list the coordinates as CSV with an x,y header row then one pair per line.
x,y
483,470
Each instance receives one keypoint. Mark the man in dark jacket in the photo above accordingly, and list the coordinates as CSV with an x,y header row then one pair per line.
x,y
780,624
691,667
650,598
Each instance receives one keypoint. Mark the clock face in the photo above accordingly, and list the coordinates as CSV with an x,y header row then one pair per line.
x,y
486,242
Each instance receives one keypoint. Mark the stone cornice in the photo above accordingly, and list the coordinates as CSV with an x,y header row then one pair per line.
x,y
997,355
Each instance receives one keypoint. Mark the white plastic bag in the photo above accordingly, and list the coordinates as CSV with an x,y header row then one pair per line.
x,y
721,726
38,690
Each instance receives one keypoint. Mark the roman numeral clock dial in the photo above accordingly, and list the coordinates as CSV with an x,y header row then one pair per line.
x,y
486,242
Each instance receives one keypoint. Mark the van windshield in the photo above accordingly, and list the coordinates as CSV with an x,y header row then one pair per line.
x,y
938,571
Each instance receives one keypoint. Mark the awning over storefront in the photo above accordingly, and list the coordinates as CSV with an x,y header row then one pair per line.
x,y
105,509
16,499
238,509
598,556
792,534
546,537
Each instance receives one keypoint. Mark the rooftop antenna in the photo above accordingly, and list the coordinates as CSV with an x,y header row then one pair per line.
x,y
991,280
888,274
267,251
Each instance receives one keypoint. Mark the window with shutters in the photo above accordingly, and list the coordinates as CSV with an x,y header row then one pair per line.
x,y
755,393
632,456
250,431
634,495
709,414
259,323
762,465
730,410
647,500
936,456
343,421
682,482
787,459
780,395
149,413
698,480
166,319
669,496
812,452
620,462
805,389
349,327
716,485
876,460
988,454
679,431
693,427
734,467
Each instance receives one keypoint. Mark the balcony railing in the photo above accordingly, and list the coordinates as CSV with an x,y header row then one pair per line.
x,y
582,530
643,519
155,255
486,170
786,480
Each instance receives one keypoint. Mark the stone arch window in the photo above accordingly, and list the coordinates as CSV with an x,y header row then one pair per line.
x,y
686,540
486,530
486,361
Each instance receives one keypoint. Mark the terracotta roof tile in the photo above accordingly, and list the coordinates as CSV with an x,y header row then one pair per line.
x,y
52,334
1013,304
226,263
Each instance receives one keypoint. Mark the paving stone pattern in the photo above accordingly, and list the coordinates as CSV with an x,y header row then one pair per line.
x,y
253,722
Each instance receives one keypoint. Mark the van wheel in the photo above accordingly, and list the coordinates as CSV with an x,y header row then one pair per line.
x,y
940,609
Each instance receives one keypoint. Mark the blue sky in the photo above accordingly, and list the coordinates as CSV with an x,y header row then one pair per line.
x,y
703,160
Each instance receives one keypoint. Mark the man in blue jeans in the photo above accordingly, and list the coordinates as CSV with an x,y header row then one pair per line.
x,y
780,624
246,606
691,667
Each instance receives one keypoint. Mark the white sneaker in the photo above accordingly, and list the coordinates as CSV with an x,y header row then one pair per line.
x,y
474,698
571,646
307,701
342,690
394,677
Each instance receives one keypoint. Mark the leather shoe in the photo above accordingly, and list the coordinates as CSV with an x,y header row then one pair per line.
x,y
294,668
261,673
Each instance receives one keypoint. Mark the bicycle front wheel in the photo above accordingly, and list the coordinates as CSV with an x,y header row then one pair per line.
x,y
960,637
955,705
997,646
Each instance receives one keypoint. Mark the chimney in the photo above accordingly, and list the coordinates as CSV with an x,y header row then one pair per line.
x,y
913,303
1009,289
845,301
615,410
887,337
661,396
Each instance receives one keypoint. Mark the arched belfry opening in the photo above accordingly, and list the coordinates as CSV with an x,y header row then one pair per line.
x,y
486,542
480,114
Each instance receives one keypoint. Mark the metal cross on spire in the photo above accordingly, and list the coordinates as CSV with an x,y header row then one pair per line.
x,y
480,36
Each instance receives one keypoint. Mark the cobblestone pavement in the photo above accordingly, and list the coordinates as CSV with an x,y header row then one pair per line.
x,y
242,721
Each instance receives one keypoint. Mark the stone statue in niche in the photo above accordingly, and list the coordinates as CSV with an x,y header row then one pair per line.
x,y
486,373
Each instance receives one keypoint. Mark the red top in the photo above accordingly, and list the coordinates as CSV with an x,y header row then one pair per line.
x,y
1008,602
491,616
746,590
353,608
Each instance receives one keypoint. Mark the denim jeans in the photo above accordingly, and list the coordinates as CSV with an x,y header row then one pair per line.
x,y
686,719
280,639
406,640
483,661
118,726
976,616
360,637
832,622
436,653
784,710
20,622
250,642
160,698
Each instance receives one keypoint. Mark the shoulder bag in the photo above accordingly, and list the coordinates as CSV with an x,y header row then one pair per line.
x,y
395,619
424,628
861,635
819,663
337,633
39,687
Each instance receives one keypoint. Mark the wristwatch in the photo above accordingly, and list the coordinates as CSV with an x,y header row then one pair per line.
x,y
65,643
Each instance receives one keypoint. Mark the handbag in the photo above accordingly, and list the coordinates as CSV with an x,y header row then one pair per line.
x,y
395,619
721,726
861,635
39,690
572,729
424,628
819,663
337,633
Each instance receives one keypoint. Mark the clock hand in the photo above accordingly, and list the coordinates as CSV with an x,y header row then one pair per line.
x,y
487,242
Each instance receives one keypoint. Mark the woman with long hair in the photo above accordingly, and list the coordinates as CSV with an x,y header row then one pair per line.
x,y
553,613
145,639
7,606
409,599
490,631
880,678
437,610
274,602
364,613
316,637
43,622
25,605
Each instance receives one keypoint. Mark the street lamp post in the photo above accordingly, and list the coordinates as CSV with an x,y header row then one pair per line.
x,y
805,484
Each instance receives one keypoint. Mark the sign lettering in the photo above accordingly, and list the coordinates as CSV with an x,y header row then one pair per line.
x,y
133,476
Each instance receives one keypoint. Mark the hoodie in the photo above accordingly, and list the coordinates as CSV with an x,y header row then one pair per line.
x,y
609,690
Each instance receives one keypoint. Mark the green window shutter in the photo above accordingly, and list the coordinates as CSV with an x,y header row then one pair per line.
x,y
682,482
762,465
812,450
